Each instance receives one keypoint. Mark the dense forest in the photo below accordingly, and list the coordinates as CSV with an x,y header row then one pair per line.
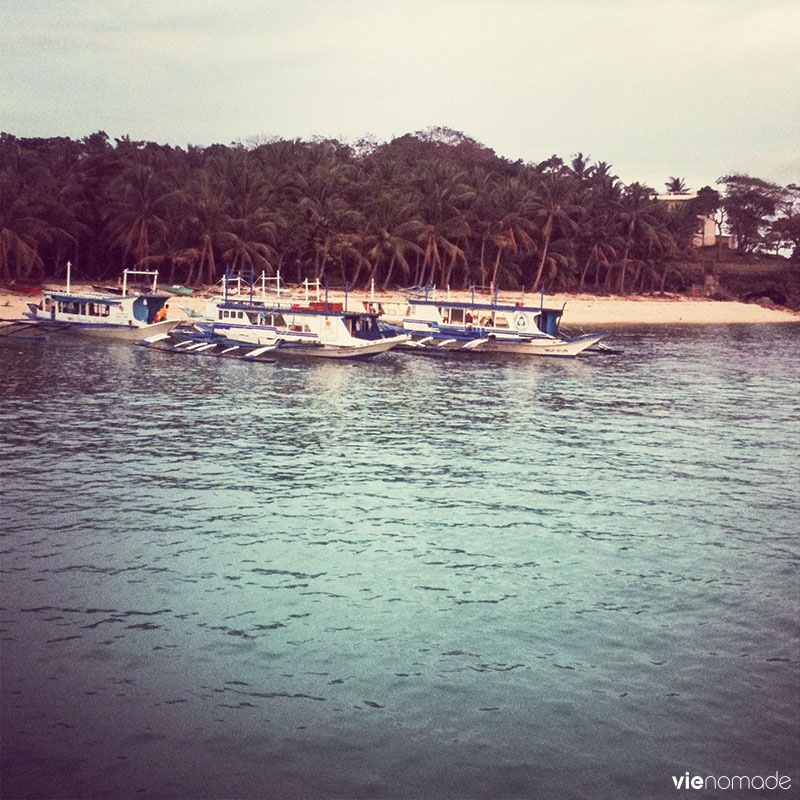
x,y
434,207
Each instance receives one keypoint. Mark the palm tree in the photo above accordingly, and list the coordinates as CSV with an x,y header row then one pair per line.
x,y
21,229
676,186
392,247
499,216
318,194
600,245
252,238
635,218
444,196
348,248
208,227
555,210
137,216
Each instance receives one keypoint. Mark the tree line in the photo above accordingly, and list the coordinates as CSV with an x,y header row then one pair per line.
x,y
434,207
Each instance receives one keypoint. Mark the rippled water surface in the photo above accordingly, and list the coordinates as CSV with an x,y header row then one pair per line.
x,y
407,577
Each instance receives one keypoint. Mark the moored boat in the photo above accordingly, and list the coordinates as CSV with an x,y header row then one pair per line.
x,y
316,329
130,317
449,325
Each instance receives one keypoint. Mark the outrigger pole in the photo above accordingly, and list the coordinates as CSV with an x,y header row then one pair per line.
x,y
127,272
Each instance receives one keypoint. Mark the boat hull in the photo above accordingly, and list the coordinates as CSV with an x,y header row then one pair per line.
x,y
127,333
339,351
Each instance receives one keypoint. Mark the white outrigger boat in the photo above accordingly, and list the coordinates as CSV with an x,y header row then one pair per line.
x,y
449,325
131,317
257,330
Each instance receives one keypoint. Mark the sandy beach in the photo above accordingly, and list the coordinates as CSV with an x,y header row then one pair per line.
x,y
579,310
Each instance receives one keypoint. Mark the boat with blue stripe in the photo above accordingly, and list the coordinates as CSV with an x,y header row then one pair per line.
x,y
444,324
131,317
287,327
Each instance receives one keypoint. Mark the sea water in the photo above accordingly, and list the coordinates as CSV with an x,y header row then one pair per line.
x,y
456,577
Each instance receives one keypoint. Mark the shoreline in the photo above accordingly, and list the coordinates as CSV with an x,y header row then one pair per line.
x,y
581,309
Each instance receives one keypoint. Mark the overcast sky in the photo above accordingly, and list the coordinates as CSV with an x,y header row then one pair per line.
x,y
690,88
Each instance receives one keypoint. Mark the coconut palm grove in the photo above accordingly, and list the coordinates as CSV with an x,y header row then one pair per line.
x,y
433,207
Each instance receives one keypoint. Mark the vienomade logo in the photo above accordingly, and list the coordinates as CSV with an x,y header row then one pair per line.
x,y
734,782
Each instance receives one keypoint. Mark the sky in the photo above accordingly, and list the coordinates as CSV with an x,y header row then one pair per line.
x,y
694,89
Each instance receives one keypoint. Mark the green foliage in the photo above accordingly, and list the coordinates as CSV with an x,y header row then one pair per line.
x,y
749,205
433,207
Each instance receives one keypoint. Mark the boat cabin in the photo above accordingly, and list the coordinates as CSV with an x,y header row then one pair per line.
x,y
519,319
328,320
93,309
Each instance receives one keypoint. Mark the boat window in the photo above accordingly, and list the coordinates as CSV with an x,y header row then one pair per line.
x,y
500,321
241,315
46,303
456,316
105,310
278,321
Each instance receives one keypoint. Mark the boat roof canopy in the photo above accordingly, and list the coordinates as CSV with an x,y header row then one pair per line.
x,y
334,309
483,306
88,298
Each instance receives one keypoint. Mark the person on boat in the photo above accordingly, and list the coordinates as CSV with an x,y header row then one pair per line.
x,y
161,314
